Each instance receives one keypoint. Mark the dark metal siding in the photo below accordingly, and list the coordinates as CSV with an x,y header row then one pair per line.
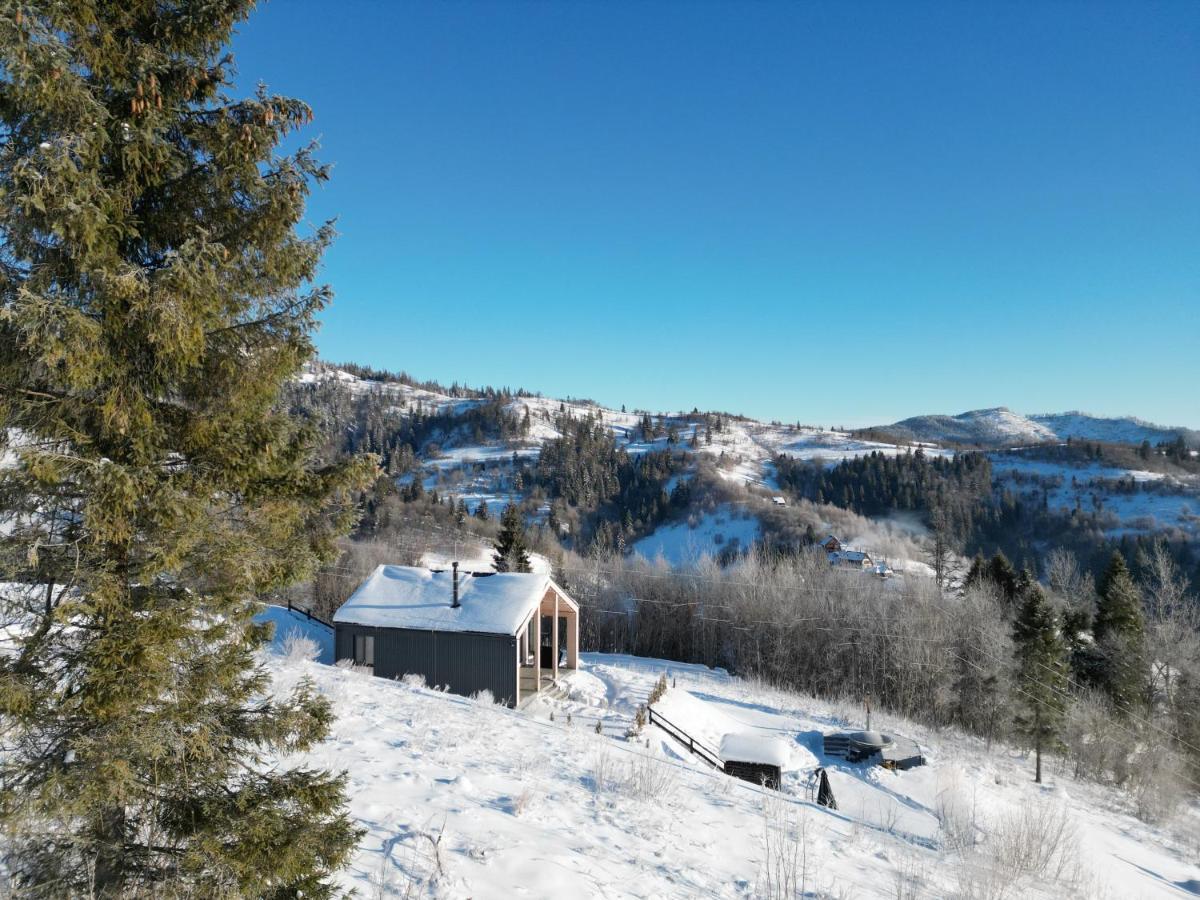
x,y
460,661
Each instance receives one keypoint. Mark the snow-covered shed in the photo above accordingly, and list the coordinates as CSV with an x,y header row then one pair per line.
x,y
753,757
509,633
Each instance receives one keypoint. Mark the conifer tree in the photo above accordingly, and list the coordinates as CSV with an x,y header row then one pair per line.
x,y
1041,677
154,296
512,549
1001,572
1120,632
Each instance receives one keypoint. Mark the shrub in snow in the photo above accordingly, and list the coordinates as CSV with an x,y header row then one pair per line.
x,y
656,693
522,802
956,813
349,666
785,866
1036,839
1158,782
641,776
298,648
484,698
639,722
413,680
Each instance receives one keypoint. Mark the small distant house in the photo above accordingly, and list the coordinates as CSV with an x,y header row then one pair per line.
x,y
509,633
779,501
851,559
830,544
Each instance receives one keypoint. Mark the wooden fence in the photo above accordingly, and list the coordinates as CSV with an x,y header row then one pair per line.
x,y
707,754
308,615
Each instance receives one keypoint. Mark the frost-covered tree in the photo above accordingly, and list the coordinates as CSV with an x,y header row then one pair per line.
x,y
154,295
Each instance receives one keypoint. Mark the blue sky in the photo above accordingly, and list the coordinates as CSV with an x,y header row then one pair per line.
x,y
831,213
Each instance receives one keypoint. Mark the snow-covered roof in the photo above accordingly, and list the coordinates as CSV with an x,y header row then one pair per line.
x,y
851,555
754,748
410,597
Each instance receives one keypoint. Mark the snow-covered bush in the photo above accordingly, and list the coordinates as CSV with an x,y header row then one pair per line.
x,y
349,666
413,680
484,697
642,776
956,813
1036,839
784,873
1157,783
299,648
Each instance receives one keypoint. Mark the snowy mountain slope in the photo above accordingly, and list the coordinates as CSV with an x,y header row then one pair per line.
x,y
999,426
460,798
1124,430
980,426
458,463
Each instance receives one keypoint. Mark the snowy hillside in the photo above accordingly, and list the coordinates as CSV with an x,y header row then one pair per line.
x,y
999,426
682,544
1128,500
460,798
1125,430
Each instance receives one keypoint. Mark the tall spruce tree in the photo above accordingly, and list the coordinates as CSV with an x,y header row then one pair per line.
x,y
512,548
1041,677
154,295
1120,632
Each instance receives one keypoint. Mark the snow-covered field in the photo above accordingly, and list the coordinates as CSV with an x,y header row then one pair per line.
x,y
460,798
684,543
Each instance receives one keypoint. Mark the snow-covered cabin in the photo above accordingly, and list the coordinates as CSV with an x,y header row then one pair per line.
x,y
509,633
851,559
830,544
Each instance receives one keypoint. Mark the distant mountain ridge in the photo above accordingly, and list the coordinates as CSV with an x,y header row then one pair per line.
x,y
989,428
1000,425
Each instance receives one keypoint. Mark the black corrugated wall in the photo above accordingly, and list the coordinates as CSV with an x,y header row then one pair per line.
x,y
463,662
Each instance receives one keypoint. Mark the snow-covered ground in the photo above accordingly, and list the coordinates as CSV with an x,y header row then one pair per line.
x,y
460,798
684,543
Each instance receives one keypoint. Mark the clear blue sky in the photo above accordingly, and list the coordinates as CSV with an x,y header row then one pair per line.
x,y
837,213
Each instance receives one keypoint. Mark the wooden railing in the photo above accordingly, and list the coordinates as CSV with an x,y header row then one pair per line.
x,y
308,615
705,753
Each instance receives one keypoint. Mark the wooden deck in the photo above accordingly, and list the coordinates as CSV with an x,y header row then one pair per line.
x,y
549,688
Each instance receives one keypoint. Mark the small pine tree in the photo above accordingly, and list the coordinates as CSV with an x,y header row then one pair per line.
x,y
1041,677
1119,629
511,547
481,511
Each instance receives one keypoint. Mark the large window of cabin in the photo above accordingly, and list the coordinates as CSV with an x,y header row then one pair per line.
x,y
364,650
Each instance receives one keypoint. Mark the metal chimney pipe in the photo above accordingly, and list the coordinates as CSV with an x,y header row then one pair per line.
x,y
455,604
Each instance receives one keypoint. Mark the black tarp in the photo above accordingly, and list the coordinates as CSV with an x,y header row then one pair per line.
x,y
825,792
